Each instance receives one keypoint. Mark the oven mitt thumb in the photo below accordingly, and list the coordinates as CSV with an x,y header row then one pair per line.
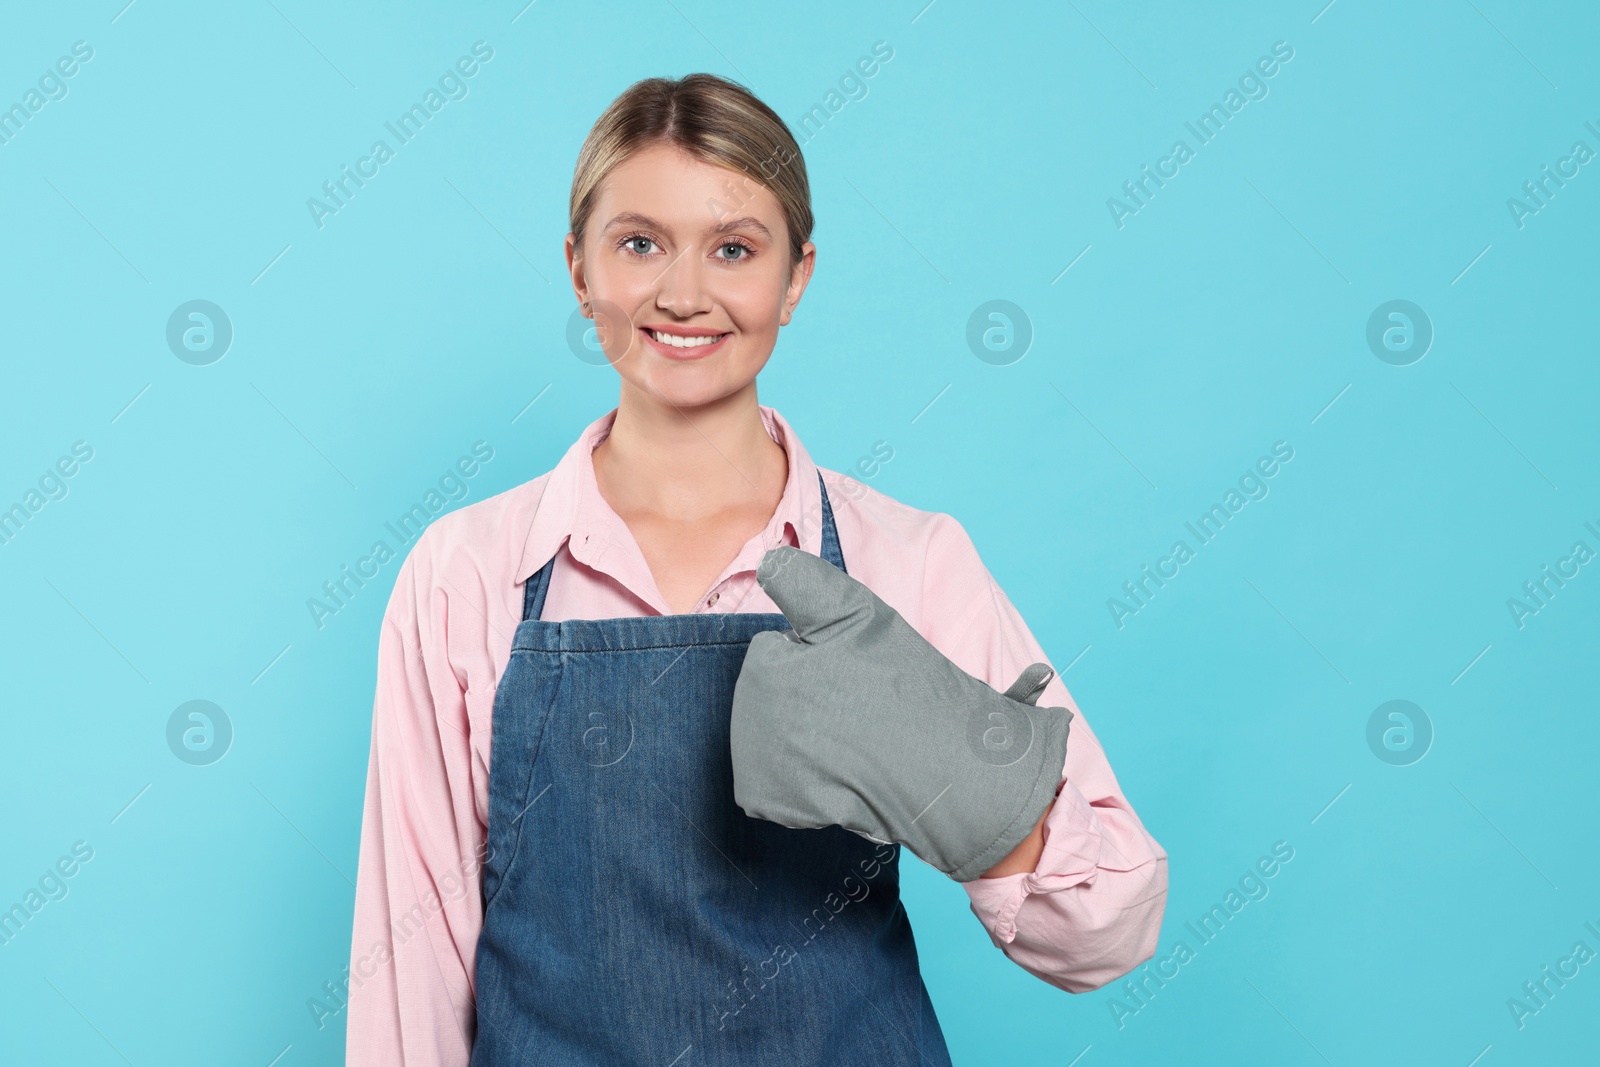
x,y
853,719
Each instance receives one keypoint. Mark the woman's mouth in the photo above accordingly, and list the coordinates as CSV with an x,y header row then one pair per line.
x,y
684,346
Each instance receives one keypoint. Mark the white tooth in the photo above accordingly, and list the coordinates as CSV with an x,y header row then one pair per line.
x,y
682,342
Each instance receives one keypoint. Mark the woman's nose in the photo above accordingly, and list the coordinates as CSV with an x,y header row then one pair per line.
x,y
682,288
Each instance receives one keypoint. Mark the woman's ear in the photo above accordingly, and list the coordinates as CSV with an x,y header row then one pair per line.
x,y
580,287
799,277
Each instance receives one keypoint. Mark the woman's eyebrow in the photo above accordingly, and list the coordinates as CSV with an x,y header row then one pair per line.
x,y
633,218
743,222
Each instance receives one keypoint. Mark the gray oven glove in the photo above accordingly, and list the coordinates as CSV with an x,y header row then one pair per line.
x,y
853,719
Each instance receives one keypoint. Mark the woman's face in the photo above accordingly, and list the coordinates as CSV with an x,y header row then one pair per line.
x,y
686,266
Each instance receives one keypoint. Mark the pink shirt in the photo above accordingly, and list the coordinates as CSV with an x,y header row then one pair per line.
x,y
1089,912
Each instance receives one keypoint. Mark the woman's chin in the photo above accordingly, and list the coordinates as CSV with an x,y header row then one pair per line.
x,y
684,387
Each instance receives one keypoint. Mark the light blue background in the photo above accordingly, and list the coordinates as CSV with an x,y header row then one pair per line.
x,y
1228,314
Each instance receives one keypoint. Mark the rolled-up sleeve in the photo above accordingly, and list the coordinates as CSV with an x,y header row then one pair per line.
x,y
1091,909
418,908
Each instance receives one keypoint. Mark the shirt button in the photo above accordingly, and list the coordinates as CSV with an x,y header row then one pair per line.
x,y
712,599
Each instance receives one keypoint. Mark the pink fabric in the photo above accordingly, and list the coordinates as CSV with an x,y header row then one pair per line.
x,y
1089,913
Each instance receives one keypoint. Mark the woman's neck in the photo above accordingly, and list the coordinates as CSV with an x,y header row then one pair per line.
x,y
688,464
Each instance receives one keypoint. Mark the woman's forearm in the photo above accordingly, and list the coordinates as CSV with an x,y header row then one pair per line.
x,y
1025,857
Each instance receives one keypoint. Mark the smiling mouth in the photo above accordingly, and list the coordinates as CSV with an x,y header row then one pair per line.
x,y
675,340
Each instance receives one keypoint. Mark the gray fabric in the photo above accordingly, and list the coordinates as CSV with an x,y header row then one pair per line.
x,y
853,719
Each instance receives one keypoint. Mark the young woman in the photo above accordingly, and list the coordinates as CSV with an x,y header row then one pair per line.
x,y
591,888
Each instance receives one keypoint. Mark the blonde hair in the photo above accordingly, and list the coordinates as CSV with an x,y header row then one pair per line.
x,y
713,119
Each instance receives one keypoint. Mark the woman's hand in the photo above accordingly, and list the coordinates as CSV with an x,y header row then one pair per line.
x,y
853,719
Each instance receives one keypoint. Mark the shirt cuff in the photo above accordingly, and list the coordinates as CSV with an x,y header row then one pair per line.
x,y
1072,840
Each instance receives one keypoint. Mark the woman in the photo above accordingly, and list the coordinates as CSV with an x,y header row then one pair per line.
x,y
603,888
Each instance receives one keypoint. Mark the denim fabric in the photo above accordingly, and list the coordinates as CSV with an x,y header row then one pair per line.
x,y
634,914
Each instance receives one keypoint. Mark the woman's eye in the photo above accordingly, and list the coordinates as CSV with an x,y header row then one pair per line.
x,y
632,243
739,251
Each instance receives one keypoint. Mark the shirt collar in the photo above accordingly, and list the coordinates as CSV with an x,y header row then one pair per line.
x,y
571,506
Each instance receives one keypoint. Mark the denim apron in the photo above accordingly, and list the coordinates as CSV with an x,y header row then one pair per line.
x,y
633,913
